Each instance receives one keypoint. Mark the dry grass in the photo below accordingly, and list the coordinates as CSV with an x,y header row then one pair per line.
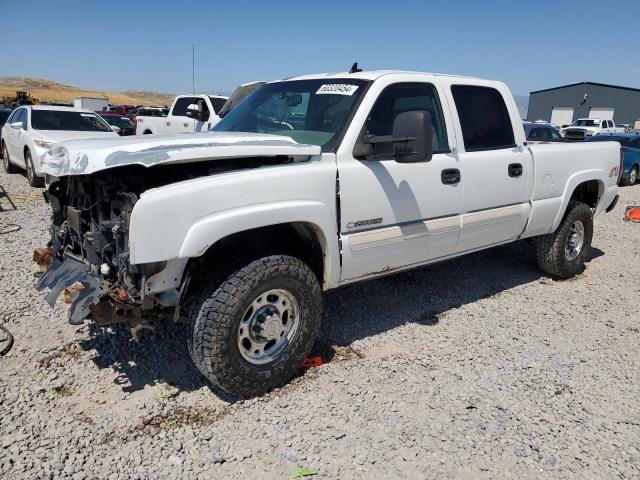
x,y
47,90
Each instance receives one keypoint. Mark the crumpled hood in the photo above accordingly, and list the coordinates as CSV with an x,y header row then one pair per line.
x,y
82,157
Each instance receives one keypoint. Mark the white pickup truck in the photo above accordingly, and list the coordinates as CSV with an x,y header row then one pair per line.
x,y
308,184
586,127
188,114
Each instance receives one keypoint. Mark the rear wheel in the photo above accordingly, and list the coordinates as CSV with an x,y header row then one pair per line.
x,y
34,180
6,161
252,331
564,252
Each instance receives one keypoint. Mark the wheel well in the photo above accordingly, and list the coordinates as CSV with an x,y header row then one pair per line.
x,y
147,132
25,150
301,240
588,192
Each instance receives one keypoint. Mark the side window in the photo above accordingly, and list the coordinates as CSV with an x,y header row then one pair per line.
x,y
541,134
180,107
406,97
25,119
13,116
484,118
202,105
555,135
604,124
20,117
217,103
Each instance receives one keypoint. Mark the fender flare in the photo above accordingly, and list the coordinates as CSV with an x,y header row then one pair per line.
x,y
583,176
213,228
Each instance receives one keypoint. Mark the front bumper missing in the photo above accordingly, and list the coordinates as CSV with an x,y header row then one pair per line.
x,y
68,272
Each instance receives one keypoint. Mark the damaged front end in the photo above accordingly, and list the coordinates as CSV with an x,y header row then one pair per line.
x,y
88,254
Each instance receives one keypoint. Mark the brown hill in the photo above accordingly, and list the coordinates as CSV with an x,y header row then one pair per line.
x,y
47,90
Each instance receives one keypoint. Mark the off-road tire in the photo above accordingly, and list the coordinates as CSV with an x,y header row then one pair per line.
x,y
550,248
6,161
34,180
219,311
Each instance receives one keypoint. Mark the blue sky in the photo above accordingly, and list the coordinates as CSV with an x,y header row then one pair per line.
x,y
146,45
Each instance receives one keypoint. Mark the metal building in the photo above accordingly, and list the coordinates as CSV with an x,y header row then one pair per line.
x,y
562,105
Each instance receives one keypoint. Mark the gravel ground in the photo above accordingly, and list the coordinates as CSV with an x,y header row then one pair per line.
x,y
480,367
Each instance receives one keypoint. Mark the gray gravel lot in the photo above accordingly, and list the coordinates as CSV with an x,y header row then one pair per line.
x,y
481,367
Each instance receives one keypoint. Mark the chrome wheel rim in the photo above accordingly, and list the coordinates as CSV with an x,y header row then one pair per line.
x,y
5,157
633,176
268,326
29,168
575,241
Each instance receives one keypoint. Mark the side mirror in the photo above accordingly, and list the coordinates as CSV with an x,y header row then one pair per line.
x,y
116,129
193,111
16,125
413,137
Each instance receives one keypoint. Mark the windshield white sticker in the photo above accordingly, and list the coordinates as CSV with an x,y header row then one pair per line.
x,y
89,115
337,89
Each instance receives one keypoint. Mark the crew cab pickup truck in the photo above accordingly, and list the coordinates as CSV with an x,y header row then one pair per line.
x,y
188,114
586,127
308,184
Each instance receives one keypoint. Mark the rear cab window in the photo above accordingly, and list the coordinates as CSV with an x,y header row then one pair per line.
x,y
484,118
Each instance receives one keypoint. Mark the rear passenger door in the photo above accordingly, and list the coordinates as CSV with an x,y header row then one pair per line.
x,y
495,171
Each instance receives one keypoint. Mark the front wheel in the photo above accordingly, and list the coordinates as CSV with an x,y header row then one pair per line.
x,y
251,332
564,252
34,180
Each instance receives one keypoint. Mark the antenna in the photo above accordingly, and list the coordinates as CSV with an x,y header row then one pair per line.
x,y
193,77
354,68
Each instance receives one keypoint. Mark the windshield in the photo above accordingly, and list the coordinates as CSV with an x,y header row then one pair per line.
x,y
66,120
309,111
584,122
122,122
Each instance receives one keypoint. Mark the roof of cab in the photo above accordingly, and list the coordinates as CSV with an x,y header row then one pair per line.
x,y
367,75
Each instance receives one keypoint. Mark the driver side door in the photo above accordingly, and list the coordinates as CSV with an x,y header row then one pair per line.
x,y
396,215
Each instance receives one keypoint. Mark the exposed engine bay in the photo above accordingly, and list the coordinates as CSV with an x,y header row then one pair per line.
x,y
88,255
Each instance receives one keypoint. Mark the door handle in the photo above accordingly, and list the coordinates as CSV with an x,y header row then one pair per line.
x,y
515,169
168,123
450,176
185,124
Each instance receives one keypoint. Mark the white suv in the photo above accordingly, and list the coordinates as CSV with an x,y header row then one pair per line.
x,y
31,130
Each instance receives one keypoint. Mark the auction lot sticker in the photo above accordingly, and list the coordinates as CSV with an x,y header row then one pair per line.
x,y
337,89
